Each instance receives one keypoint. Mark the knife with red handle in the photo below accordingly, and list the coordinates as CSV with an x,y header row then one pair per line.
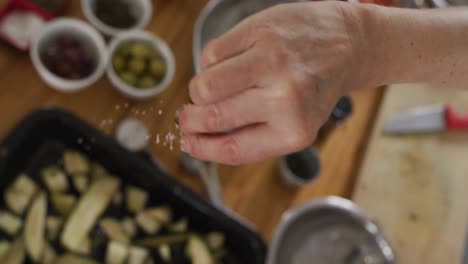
x,y
427,119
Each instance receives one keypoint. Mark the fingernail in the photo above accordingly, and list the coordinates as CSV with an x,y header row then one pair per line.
x,y
203,90
185,146
210,59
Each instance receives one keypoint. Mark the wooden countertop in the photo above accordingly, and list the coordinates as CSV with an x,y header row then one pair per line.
x,y
255,192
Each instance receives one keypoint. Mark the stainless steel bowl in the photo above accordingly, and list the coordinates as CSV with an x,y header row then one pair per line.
x,y
219,16
333,231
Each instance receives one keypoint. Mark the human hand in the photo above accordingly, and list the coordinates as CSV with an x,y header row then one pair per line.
x,y
268,85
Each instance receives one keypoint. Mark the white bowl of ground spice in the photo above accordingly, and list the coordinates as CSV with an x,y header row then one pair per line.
x,y
112,17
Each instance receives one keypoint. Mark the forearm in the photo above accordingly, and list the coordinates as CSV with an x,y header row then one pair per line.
x,y
416,46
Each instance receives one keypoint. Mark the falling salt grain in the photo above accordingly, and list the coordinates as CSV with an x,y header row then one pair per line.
x,y
143,113
160,112
117,107
157,139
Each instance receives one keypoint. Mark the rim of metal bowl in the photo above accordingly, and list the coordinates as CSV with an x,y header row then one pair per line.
x,y
197,36
339,205
198,31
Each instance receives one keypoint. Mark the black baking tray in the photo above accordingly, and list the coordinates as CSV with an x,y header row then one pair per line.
x,y
41,137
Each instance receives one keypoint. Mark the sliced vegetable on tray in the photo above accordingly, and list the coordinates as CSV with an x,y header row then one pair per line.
x,y
76,212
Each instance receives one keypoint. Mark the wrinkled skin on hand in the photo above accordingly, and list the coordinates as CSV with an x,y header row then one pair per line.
x,y
268,85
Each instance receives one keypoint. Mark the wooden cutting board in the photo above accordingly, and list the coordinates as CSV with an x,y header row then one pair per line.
x,y
416,187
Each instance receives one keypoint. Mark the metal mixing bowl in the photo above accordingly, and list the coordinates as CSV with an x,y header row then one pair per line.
x,y
219,16
333,231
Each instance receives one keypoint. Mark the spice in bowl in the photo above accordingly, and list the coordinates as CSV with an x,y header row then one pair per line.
x,y
116,13
67,57
139,64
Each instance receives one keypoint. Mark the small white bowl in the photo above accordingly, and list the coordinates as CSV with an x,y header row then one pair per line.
x,y
158,44
308,155
145,8
90,38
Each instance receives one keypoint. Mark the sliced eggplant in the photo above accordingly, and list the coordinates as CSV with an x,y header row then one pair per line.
x,y
85,247
75,162
34,229
135,199
55,179
138,255
215,240
180,226
4,247
18,196
49,255
165,252
15,254
156,242
98,172
80,181
116,253
63,203
129,226
148,224
162,214
10,223
198,251
88,210
53,225
17,201
117,199
74,259
114,230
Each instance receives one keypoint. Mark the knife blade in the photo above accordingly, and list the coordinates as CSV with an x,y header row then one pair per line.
x,y
427,119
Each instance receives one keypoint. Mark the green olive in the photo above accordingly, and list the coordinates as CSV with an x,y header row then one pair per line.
x,y
128,77
125,49
147,82
136,65
118,62
140,50
158,68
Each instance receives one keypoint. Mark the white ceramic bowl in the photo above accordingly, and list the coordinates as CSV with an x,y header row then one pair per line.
x,y
91,39
309,155
144,9
158,44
